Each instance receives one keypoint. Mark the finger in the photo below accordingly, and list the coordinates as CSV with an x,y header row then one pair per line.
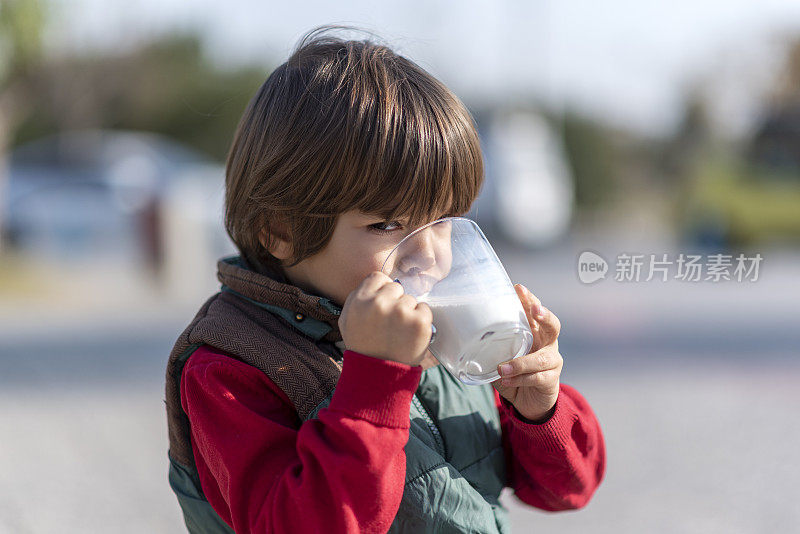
x,y
540,379
374,281
391,290
531,305
545,326
530,302
541,360
550,326
424,309
407,301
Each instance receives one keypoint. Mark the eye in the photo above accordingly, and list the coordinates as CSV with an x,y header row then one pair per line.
x,y
381,227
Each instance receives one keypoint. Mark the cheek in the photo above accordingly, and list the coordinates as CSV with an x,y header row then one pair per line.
x,y
445,260
444,251
376,262
358,261
384,257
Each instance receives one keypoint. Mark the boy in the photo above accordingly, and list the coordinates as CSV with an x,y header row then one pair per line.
x,y
302,397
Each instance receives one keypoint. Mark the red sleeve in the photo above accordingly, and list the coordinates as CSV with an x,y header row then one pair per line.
x,y
558,464
264,471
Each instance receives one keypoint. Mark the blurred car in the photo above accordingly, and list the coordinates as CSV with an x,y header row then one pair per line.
x,y
99,194
738,202
528,195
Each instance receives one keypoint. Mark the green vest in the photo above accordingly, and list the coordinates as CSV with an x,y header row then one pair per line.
x,y
455,469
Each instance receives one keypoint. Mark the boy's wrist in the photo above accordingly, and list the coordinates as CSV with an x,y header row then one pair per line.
x,y
539,420
535,420
553,432
376,390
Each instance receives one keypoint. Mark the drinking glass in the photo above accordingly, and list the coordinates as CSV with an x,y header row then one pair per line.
x,y
478,320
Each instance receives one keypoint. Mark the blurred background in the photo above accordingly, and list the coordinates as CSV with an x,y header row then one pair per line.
x,y
617,127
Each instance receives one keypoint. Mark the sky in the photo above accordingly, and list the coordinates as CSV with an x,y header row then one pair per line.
x,y
629,63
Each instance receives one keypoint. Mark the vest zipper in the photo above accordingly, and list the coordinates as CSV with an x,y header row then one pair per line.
x,y
437,436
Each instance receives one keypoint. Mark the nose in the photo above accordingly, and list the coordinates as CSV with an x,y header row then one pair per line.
x,y
420,254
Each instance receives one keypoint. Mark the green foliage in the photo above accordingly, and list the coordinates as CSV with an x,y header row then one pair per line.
x,y
167,86
592,158
753,204
21,27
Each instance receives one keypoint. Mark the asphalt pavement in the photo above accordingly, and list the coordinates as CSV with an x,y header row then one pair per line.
x,y
695,386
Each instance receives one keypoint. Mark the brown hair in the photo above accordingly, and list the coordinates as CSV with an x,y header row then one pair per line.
x,y
344,125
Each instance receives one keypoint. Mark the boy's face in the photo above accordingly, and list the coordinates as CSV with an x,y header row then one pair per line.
x,y
360,244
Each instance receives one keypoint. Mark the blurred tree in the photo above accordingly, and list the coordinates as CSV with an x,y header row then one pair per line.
x,y
21,28
692,139
592,157
166,86
737,194
775,143
786,92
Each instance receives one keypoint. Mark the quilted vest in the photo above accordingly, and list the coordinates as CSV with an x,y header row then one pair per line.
x,y
455,469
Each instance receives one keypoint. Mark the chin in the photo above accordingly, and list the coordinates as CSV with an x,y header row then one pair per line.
x,y
429,361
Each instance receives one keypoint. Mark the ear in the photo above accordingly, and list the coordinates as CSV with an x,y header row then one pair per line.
x,y
277,242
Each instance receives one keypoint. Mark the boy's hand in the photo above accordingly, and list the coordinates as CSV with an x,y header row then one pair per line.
x,y
531,382
378,319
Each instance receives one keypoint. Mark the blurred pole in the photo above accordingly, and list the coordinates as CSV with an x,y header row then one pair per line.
x,y
187,255
191,230
4,129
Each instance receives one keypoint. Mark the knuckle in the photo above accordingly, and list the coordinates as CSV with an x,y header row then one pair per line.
x,y
425,313
382,307
392,291
362,293
408,300
541,378
405,313
425,325
414,319
556,323
364,300
422,320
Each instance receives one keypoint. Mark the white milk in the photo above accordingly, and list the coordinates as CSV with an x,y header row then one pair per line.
x,y
474,334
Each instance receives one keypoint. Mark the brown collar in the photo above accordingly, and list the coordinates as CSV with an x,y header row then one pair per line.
x,y
315,316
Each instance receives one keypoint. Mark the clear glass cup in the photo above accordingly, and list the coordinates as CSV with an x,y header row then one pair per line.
x,y
477,317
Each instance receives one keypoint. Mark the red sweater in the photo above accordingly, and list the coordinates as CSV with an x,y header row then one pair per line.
x,y
264,471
